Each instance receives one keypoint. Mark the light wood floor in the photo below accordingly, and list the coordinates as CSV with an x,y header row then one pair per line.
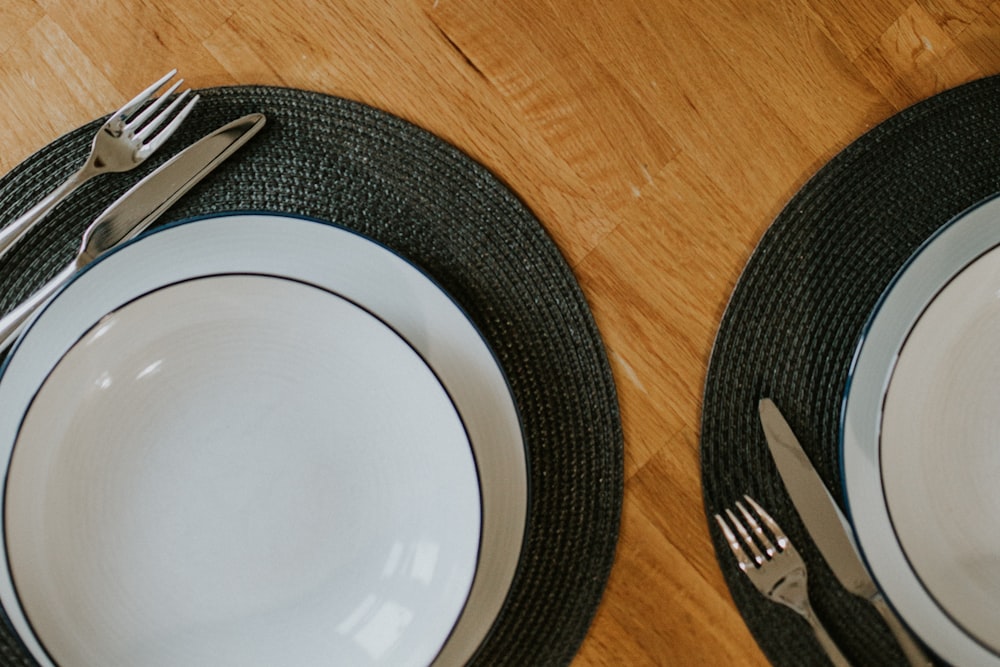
x,y
655,139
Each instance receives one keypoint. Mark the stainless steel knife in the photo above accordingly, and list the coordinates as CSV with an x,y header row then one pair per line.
x,y
827,525
138,208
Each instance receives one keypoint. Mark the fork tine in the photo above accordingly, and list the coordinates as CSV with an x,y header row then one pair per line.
x,y
153,107
747,538
132,105
742,559
772,525
154,144
757,530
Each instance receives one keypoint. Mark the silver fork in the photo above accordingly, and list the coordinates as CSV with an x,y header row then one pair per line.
x,y
122,143
777,571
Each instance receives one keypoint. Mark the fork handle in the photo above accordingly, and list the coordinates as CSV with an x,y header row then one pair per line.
x,y
13,232
915,655
12,323
825,640
793,593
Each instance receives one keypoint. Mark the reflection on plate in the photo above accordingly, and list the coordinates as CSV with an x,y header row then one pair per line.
x,y
919,436
154,509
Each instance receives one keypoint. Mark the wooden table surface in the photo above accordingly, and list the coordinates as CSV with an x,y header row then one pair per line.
x,y
655,139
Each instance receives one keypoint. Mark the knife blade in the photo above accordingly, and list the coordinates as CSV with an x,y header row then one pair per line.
x,y
827,525
138,208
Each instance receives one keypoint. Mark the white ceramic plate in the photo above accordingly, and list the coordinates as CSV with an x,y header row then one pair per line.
x,y
919,440
151,549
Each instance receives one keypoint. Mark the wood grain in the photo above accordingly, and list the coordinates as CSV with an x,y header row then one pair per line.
x,y
654,140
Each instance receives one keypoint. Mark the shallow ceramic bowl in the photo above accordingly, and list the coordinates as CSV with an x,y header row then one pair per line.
x,y
257,440
919,436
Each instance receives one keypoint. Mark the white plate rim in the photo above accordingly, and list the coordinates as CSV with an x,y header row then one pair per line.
x,y
947,252
461,644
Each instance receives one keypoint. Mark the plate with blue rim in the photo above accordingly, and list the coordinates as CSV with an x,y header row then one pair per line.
x,y
185,279
919,427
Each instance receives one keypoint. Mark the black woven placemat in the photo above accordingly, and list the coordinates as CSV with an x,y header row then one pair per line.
x,y
337,160
793,321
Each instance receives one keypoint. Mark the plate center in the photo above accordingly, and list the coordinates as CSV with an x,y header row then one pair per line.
x,y
247,467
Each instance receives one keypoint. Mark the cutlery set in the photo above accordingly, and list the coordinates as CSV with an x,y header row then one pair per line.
x,y
129,136
779,572
126,139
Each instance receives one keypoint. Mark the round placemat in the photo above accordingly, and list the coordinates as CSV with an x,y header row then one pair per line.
x,y
794,319
329,158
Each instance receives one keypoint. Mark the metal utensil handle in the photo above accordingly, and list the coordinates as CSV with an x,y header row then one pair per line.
x,y
793,594
13,232
12,323
826,641
915,655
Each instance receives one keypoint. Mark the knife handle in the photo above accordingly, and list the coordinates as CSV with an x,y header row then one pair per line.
x,y
914,653
12,323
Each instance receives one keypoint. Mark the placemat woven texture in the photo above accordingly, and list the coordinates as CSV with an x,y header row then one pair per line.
x,y
793,321
338,160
